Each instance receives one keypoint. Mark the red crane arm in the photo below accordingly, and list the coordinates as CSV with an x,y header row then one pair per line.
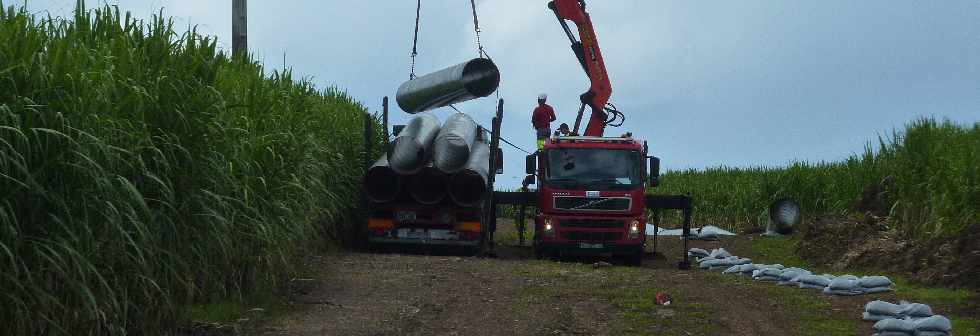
x,y
589,55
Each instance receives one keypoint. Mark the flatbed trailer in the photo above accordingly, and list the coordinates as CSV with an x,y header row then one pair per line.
x,y
405,222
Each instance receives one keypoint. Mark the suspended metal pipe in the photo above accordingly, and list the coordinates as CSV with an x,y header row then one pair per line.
x,y
429,186
412,148
381,183
469,186
451,150
469,80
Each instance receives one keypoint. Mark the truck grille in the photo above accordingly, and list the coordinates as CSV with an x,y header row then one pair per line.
x,y
591,223
585,203
591,236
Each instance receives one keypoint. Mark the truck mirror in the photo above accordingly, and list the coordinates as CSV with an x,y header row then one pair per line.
x,y
654,171
528,180
498,160
531,164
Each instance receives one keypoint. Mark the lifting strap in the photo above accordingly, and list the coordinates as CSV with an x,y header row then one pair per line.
x,y
476,28
415,41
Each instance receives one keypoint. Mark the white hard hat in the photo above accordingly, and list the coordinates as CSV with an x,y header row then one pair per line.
x,y
542,96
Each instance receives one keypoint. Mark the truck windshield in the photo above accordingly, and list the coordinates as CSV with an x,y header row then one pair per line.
x,y
594,169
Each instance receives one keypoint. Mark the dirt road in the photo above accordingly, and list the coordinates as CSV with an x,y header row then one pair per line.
x,y
399,294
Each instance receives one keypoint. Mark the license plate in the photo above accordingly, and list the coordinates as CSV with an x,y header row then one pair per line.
x,y
589,246
413,234
405,216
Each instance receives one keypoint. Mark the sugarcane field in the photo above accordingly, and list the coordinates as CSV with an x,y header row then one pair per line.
x,y
417,167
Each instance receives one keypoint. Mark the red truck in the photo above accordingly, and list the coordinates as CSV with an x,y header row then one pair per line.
x,y
591,196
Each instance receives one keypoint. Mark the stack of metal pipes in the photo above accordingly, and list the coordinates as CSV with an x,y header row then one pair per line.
x,y
433,163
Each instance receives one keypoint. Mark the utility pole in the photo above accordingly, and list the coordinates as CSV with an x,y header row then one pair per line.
x,y
239,27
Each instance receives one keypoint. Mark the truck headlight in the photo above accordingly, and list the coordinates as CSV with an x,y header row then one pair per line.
x,y
634,229
549,229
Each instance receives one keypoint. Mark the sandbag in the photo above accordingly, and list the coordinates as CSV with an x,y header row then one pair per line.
x,y
844,283
719,253
768,274
733,269
747,269
934,323
810,286
698,253
875,281
787,276
743,269
842,292
843,286
878,307
815,280
710,263
874,290
904,326
874,317
915,310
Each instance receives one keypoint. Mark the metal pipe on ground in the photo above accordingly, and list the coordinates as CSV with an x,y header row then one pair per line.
x,y
473,79
468,187
451,151
381,183
412,148
429,186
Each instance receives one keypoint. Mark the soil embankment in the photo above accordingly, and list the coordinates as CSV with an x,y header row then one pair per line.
x,y
867,242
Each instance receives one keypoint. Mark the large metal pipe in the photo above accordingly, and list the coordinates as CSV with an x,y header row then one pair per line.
x,y
429,186
469,186
381,183
465,81
451,151
412,148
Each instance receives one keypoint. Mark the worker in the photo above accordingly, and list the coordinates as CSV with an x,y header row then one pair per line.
x,y
563,130
541,119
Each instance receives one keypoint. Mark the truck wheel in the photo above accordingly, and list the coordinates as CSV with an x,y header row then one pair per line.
x,y
538,251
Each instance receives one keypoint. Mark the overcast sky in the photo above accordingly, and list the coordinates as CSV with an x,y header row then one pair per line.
x,y
707,83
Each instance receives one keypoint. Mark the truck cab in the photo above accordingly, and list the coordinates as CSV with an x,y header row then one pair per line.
x,y
591,196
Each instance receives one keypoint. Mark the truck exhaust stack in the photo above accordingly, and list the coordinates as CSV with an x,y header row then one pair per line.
x,y
412,148
469,186
469,80
451,150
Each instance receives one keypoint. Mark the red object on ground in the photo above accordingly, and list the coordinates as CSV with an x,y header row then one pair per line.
x,y
663,299
543,116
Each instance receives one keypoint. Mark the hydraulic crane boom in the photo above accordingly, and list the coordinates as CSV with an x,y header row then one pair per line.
x,y
589,55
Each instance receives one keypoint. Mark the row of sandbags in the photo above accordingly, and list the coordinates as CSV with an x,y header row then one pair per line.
x,y
906,319
717,259
790,276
